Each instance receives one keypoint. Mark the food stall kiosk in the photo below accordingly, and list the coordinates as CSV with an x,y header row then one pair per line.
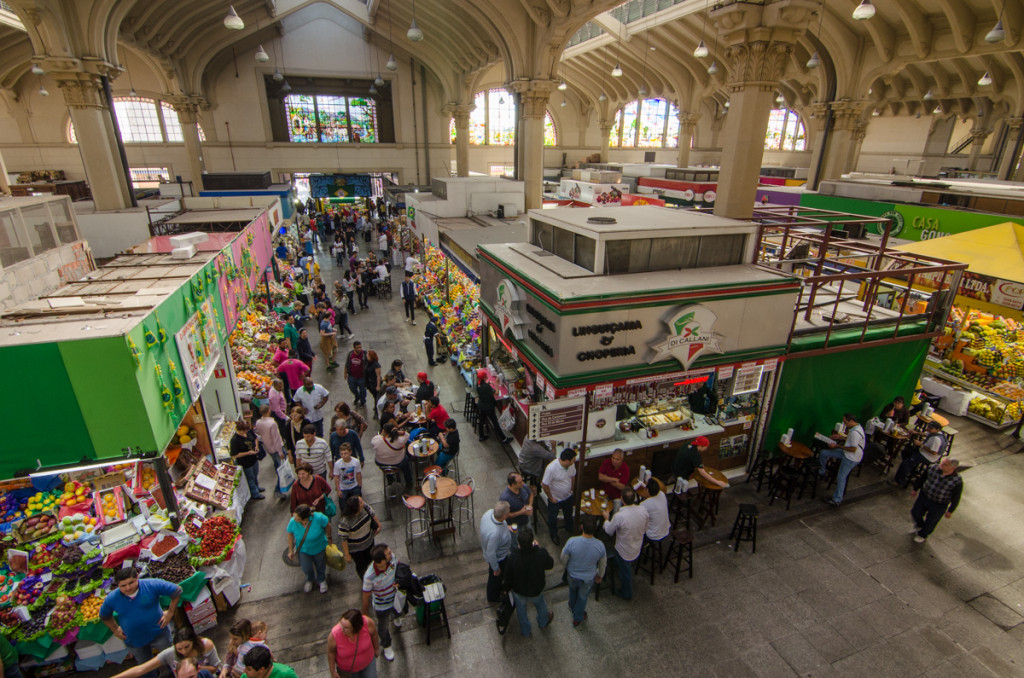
x,y
653,315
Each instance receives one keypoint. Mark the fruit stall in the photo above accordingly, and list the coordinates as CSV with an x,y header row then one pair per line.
x,y
453,299
63,535
252,348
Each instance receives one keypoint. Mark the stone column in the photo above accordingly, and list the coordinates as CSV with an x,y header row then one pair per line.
x,y
860,130
5,186
605,126
97,138
978,137
687,126
533,102
840,142
460,113
1010,153
187,108
815,126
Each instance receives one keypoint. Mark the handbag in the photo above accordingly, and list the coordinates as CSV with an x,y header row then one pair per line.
x,y
505,609
330,510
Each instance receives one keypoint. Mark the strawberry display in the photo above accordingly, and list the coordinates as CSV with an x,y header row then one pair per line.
x,y
217,539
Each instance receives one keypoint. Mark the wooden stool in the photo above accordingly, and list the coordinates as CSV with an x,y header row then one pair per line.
x,y
679,508
611,572
470,410
761,470
784,483
919,470
680,550
745,527
707,506
651,554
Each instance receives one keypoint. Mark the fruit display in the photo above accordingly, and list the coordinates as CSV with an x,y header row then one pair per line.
x,y
78,527
452,297
252,349
109,505
63,616
41,502
175,568
994,410
28,590
90,609
35,626
217,539
75,493
36,527
223,477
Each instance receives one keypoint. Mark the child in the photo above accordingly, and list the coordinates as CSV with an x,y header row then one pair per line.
x,y
348,473
244,635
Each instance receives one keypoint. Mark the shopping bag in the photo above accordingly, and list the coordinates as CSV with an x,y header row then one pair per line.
x,y
330,510
335,558
507,420
505,609
285,476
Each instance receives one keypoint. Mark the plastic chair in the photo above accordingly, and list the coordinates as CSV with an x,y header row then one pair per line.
x,y
465,510
417,525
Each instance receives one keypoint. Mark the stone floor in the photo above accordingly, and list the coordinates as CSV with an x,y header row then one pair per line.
x,y
829,592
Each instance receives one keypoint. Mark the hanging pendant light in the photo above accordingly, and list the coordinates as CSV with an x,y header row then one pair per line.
x,y
564,102
43,92
642,91
702,50
391,64
617,71
278,77
373,89
562,86
713,68
875,113
262,56
814,61
37,69
997,34
603,97
232,21
928,96
865,10
286,87
937,111
132,92
985,80
414,33
379,82
780,99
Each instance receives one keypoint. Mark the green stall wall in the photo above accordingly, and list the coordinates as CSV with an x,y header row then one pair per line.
x,y
41,415
815,391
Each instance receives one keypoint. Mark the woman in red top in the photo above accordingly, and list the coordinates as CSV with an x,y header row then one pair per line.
x,y
352,646
310,489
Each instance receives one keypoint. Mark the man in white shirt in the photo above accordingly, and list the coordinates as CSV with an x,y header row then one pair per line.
x,y
411,263
557,484
628,527
849,455
381,272
382,245
656,505
313,396
314,451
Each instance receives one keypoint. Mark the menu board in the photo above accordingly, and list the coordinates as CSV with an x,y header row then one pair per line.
x,y
560,420
198,348
748,379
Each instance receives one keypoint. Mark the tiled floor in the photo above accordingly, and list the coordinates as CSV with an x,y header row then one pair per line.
x,y
829,592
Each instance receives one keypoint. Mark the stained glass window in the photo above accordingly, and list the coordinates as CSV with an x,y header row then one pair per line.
x,y
452,131
138,120
672,128
501,119
332,113
652,123
550,133
362,114
615,136
301,113
785,131
478,120
629,123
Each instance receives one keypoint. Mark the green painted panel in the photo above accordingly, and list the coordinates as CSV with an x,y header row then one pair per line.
x,y
41,413
102,374
924,223
815,391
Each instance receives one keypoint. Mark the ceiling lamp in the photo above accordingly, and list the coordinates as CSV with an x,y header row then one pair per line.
x,y
37,69
985,80
702,50
43,92
414,33
603,97
617,71
379,82
562,86
865,10
642,91
713,68
780,99
997,34
286,87
875,113
232,21
278,77
262,56
725,105
564,102
814,61
391,64
938,109
373,89
928,96
132,92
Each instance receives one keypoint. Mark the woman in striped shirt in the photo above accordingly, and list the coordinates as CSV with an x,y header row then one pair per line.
x,y
357,527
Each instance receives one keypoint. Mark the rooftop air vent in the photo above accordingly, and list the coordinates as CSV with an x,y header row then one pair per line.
x,y
601,220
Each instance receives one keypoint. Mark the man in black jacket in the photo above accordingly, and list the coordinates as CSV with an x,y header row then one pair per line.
x,y
524,576
486,403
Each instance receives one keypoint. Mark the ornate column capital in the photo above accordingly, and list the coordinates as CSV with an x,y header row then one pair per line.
x,y
978,136
187,106
846,115
460,112
687,122
860,130
759,64
534,96
1013,125
81,90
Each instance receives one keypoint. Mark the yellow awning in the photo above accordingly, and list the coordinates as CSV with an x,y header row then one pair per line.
x,y
996,251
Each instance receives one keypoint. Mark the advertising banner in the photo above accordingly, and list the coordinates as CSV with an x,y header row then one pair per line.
x,y
241,266
198,348
340,186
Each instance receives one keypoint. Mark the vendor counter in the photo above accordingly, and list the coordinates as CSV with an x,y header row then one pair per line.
x,y
654,453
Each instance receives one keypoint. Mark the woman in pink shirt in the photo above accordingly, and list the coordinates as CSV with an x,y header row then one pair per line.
x,y
295,370
269,434
278,404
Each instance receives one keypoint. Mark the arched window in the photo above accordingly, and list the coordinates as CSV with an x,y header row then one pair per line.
x,y
143,121
493,121
651,123
785,131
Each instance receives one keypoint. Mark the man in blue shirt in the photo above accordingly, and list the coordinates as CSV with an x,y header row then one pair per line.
x,y
141,622
343,434
584,559
496,541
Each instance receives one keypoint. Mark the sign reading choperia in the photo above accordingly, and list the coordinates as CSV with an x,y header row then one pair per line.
x,y
690,335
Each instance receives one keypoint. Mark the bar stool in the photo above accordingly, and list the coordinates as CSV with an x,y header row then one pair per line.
x,y
417,526
707,506
784,483
434,470
464,511
745,527
950,433
384,289
680,550
651,554
470,410
435,614
761,470
679,508
394,485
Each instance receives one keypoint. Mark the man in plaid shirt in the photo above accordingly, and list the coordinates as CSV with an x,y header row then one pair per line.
x,y
940,489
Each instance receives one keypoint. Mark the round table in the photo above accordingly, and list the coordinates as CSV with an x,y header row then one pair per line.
x,y
642,492
440,524
796,450
422,454
595,507
934,416
708,494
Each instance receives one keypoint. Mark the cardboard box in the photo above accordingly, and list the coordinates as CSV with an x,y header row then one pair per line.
x,y
108,481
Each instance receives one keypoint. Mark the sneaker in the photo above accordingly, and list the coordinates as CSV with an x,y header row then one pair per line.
x,y
308,587
919,539
833,503
323,587
414,323
577,623
389,654
259,496
915,530
398,622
